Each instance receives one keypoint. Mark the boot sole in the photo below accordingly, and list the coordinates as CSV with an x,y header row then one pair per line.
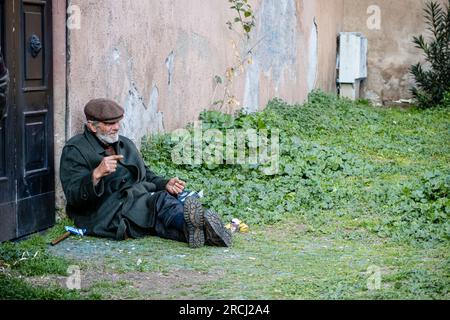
x,y
193,215
215,230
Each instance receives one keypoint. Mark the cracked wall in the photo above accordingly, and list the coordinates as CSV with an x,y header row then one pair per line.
x,y
390,49
276,54
297,52
141,119
159,59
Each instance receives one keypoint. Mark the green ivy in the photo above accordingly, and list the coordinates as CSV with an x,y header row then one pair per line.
x,y
337,156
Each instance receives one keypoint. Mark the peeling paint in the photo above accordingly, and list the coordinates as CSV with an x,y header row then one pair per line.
x,y
374,98
116,56
169,65
313,57
183,48
277,51
153,106
141,120
251,94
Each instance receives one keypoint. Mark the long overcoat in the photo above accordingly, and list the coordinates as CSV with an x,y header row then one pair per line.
x,y
123,202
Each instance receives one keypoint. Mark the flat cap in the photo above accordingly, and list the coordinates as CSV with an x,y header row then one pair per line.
x,y
103,110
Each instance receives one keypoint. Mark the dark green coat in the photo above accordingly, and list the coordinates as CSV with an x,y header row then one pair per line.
x,y
121,202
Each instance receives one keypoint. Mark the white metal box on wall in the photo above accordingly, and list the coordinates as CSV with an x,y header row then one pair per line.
x,y
352,63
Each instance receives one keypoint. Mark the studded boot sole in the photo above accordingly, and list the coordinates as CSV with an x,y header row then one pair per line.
x,y
216,233
193,215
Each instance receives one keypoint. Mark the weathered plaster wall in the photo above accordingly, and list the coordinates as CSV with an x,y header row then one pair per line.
x,y
390,48
59,87
297,52
158,58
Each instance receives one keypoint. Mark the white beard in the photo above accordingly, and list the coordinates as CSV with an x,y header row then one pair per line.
x,y
108,138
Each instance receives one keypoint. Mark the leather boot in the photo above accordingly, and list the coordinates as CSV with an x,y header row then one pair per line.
x,y
215,231
194,217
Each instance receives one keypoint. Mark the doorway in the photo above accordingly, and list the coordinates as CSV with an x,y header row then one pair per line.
x,y
27,188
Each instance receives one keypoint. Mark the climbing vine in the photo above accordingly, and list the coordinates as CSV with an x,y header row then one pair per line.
x,y
245,19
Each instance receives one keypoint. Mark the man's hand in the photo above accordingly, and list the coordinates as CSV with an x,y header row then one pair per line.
x,y
105,168
175,186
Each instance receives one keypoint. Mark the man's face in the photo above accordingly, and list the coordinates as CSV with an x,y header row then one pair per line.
x,y
106,132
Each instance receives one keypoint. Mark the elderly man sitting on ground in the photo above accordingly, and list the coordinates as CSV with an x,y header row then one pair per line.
x,y
111,193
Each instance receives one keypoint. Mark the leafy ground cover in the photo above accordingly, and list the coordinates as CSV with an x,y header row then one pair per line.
x,y
388,167
359,209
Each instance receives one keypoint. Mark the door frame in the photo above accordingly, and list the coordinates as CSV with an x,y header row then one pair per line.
x,y
28,99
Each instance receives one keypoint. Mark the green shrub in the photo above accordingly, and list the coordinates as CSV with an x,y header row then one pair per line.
x,y
432,84
446,101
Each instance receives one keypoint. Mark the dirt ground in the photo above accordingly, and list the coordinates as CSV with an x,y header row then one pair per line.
x,y
105,263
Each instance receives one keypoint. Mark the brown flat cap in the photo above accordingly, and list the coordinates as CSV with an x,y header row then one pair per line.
x,y
103,110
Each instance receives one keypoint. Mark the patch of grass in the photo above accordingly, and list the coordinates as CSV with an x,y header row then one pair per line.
x,y
14,288
320,256
293,259
31,258
113,290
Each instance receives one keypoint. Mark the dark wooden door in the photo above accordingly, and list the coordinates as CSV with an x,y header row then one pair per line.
x,y
27,197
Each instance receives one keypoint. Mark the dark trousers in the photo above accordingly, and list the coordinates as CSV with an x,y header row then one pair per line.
x,y
169,213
